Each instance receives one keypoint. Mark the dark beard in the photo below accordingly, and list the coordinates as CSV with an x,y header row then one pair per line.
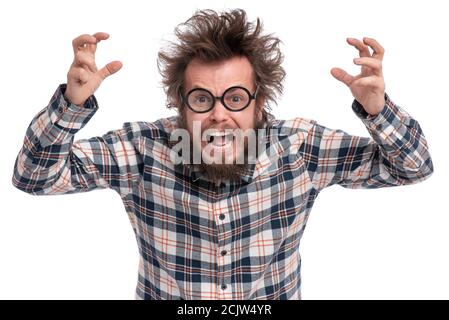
x,y
219,172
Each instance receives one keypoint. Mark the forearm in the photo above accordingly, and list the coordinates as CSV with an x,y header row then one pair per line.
x,y
44,156
403,148
395,154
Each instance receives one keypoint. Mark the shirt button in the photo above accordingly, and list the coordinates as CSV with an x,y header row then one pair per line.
x,y
224,252
224,286
222,216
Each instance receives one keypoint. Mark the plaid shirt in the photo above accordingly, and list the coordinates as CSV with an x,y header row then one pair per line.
x,y
198,240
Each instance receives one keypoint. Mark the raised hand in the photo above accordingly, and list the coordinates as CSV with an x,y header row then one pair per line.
x,y
83,78
368,87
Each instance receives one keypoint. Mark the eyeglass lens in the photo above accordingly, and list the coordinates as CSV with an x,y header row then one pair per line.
x,y
203,100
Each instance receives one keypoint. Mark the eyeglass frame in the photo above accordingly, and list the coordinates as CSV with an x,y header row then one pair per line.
x,y
185,99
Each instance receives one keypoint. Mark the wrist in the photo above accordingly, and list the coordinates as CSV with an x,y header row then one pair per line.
x,y
68,97
374,108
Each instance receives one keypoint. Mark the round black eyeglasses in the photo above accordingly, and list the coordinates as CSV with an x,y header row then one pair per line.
x,y
234,99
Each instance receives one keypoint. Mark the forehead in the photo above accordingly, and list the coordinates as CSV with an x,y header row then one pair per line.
x,y
218,76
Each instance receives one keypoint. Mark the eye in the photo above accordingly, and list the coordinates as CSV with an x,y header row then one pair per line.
x,y
236,99
202,99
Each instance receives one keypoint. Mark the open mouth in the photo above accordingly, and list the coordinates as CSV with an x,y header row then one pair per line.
x,y
220,139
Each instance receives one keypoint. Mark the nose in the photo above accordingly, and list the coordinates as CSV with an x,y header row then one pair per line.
x,y
219,112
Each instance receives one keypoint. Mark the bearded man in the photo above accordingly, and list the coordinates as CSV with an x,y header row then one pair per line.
x,y
226,221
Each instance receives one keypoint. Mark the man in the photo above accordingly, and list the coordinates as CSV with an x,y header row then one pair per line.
x,y
219,228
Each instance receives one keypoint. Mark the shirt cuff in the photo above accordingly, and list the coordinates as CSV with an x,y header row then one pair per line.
x,y
389,116
68,116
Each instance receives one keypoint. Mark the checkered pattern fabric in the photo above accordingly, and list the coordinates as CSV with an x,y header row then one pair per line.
x,y
199,240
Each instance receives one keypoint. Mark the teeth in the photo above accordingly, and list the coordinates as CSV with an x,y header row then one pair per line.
x,y
227,136
216,134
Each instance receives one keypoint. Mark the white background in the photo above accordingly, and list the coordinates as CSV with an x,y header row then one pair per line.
x,y
359,244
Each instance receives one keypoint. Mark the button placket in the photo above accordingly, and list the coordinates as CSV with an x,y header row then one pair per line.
x,y
225,290
223,253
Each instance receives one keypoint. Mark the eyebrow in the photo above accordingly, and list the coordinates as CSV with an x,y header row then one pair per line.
x,y
201,87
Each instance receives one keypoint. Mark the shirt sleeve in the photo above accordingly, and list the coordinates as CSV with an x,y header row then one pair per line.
x,y
51,162
396,153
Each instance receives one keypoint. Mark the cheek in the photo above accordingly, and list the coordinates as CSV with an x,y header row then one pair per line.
x,y
245,120
192,117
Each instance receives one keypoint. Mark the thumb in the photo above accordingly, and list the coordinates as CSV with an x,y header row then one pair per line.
x,y
342,76
110,68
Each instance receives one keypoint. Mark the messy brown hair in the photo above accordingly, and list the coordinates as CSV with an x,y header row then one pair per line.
x,y
213,37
